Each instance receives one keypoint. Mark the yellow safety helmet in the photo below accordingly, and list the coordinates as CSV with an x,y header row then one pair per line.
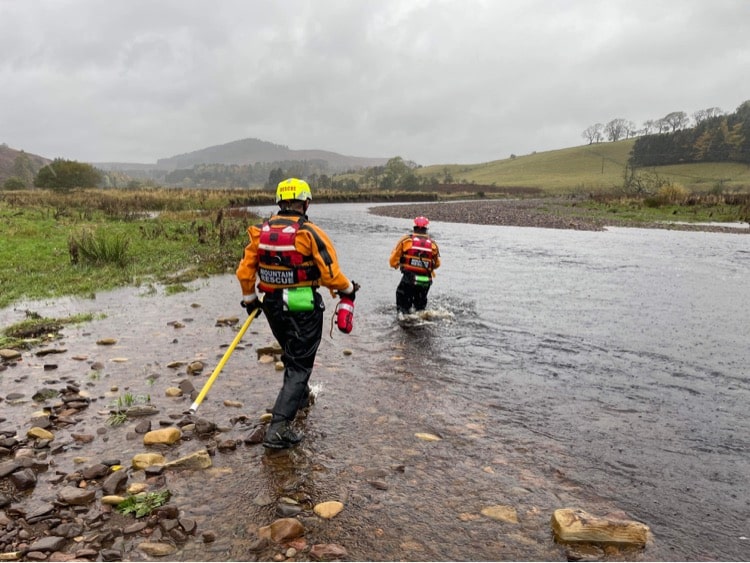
x,y
293,188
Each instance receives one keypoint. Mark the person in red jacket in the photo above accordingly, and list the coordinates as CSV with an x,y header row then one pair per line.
x,y
418,256
289,258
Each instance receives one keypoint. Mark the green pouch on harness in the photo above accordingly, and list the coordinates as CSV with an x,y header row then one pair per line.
x,y
297,299
422,280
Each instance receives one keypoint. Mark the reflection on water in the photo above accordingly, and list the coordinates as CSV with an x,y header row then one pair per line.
x,y
599,370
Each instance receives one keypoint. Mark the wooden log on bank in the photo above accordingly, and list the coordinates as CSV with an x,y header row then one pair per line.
x,y
576,526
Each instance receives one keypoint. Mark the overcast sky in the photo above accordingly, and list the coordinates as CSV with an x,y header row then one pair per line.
x,y
434,81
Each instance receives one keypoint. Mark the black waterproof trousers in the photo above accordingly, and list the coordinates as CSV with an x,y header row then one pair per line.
x,y
410,294
299,336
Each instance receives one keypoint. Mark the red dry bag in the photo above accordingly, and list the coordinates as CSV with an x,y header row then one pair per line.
x,y
345,314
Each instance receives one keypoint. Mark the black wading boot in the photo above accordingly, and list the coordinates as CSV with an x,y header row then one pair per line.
x,y
280,436
308,400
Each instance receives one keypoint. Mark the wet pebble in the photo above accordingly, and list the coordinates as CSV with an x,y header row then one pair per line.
x,y
328,509
327,551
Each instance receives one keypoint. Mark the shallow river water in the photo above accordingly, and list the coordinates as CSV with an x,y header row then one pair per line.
x,y
606,371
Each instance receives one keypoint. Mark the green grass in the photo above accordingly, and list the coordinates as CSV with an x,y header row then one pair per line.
x,y
36,329
587,168
118,414
98,247
635,211
121,247
143,504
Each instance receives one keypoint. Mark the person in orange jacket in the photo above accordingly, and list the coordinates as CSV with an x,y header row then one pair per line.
x,y
418,256
289,258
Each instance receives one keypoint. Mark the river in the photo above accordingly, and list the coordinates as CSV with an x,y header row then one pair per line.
x,y
618,358
606,371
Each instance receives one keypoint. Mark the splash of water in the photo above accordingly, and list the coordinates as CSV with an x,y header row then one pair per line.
x,y
316,389
424,317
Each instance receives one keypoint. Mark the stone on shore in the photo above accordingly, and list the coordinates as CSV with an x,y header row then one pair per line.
x,y
196,460
40,433
574,526
142,461
327,551
112,500
282,530
8,354
328,509
157,549
162,436
75,496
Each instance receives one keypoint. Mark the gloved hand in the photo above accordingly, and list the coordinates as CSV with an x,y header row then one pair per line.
x,y
353,294
251,306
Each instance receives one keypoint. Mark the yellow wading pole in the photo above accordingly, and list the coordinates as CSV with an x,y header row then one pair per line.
x,y
217,370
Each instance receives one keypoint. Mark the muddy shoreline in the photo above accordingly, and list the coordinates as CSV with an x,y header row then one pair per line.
x,y
549,213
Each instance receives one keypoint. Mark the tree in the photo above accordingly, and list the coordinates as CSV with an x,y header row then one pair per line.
x,y
703,114
274,177
616,129
677,120
410,181
395,171
630,129
14,183
66,175
593,133
661,125
743,111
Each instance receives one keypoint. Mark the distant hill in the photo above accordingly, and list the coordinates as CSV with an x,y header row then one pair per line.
x,y
8,158
247,151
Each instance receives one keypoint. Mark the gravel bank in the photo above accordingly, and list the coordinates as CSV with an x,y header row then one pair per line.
x,y
550,213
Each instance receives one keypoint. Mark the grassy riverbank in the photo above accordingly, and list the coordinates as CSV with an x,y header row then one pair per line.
x,y
88,241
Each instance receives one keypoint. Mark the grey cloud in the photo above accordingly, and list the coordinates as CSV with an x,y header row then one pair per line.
x,y
429,80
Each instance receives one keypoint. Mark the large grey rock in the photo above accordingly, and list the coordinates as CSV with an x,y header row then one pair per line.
x,y
76,496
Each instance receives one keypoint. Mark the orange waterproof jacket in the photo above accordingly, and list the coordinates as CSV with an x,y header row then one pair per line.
x,y
404,245
310,240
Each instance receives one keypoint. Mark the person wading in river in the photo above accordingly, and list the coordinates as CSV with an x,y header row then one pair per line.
x,y
290,257
418,256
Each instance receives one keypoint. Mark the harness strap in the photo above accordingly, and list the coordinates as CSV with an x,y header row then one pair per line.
x,y
322,248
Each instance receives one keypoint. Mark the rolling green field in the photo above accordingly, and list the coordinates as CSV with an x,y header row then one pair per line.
x,y
588,169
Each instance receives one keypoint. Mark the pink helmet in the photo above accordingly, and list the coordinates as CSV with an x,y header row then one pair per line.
x,y
421,222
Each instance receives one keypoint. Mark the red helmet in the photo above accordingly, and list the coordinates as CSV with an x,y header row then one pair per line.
x,y
421,222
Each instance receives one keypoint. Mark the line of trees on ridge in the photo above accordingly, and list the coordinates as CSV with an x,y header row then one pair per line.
x,y
714,136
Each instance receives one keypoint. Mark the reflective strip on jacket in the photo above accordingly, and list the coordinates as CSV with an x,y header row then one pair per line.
x,y
280,264
422,258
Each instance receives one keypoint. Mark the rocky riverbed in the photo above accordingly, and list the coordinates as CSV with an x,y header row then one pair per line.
x,y
76,447
97,415
551,213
